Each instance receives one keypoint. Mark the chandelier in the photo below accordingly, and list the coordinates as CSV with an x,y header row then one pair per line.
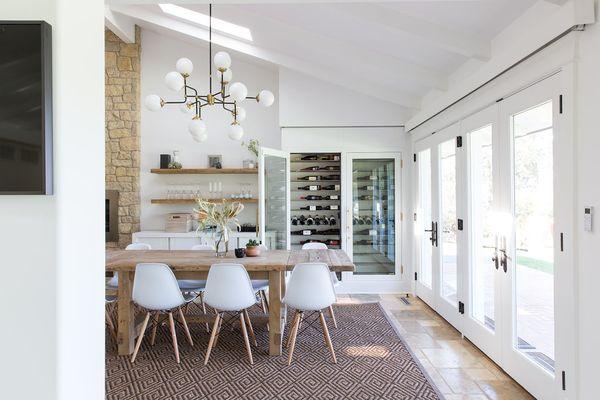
x,y
227,97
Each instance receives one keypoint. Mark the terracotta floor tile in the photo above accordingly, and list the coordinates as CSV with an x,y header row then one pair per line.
x,y
459,381
504,390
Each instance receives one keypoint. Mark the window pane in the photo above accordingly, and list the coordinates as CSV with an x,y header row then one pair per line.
x,y
482,230
448,221
534,233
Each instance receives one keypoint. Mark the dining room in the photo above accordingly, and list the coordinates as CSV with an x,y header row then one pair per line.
x,y
302,199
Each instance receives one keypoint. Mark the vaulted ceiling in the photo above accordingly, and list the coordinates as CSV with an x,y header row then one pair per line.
x,y
396,50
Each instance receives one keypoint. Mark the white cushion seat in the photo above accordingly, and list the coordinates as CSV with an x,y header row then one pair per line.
x,y
191,285
260,284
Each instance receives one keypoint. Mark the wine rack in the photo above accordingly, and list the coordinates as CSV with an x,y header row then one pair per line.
x,y
316,193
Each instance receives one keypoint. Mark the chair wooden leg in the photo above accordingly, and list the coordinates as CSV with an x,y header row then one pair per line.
x,y
289,339
250,328
214,332
139,341
293,333
327,338
263,301
174,337
332,317
245,334
204,310
218,331
185,328
154,328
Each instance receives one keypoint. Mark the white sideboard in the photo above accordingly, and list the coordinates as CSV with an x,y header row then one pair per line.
x,y
161,240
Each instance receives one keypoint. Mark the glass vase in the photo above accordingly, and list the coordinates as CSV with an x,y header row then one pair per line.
x,y
221,241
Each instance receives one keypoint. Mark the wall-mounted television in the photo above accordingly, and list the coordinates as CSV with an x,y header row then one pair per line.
x,y
25,107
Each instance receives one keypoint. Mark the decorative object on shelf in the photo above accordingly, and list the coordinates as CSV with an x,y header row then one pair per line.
x,y
215,161
247,163
252,146
240,252
165,160
221,216
175,163
252,248
226,97
177,222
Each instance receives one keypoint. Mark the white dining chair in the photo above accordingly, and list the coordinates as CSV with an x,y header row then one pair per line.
x,y
309,290
228,289
334,279
155,290
196,286
113,283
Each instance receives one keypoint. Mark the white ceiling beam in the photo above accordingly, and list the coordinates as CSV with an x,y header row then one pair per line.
x,y
120,25
149,19
242,2
368,63
432,34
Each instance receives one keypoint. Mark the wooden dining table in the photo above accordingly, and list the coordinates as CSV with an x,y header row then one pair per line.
x,y
189,264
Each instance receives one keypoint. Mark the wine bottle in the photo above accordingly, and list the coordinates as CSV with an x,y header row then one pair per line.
x,y
332,221
368,187
294,220
310,157
365,197
330,168
332,242
325,221
312,168
331,197
310,220
308,178
331,187
310,187
302,220
330,232
331,207
330,157
317,220
311,197
330,177
312,208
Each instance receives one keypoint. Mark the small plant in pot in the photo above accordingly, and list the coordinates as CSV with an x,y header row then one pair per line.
x,y
252,248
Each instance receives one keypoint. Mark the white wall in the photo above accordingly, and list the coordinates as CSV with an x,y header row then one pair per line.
x,y
578,50
306,101
52,247
165,131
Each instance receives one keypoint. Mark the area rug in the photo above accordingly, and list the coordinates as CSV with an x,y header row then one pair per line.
x,y
373,363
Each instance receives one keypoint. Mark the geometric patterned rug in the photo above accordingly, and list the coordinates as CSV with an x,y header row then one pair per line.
x,y
373,363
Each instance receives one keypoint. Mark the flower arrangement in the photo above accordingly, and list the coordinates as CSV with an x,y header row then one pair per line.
x,y
221,215
252,146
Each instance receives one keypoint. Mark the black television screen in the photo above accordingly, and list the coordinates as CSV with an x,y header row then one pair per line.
x,y
25,108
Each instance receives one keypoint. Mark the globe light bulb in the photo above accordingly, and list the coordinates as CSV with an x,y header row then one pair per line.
x,y
197,127
187,108
222,61
174,81
200,138
238,91
266,98
153,102
240,114
235,131
184,66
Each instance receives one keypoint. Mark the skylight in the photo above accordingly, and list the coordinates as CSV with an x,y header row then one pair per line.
x,y
203,19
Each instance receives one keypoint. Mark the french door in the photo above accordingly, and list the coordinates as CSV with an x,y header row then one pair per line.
x,y
274,201
493,216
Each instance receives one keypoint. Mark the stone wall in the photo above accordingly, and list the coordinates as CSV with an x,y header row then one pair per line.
x,y
122,82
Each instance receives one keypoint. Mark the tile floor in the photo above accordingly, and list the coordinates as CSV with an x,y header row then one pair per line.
x,y
459,370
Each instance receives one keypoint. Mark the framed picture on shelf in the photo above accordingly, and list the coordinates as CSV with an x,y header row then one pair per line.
x,y
215,161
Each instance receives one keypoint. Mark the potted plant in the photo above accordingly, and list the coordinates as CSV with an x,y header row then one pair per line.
x,y
252,249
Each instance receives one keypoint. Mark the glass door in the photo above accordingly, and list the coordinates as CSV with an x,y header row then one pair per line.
x,y
373,207
482,323
274,202
529,243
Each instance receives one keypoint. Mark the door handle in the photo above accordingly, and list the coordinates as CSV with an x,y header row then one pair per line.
x,y
434,233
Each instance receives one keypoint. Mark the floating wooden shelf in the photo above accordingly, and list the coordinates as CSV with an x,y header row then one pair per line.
x,y
205,171
193,201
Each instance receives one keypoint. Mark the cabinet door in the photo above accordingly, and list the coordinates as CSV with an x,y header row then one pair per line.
x,y
274,205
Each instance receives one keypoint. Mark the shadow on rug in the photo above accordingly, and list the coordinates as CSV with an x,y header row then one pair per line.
x,y
373,363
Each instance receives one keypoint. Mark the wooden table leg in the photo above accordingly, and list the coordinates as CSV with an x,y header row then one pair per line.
x,y
275,313
125,327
